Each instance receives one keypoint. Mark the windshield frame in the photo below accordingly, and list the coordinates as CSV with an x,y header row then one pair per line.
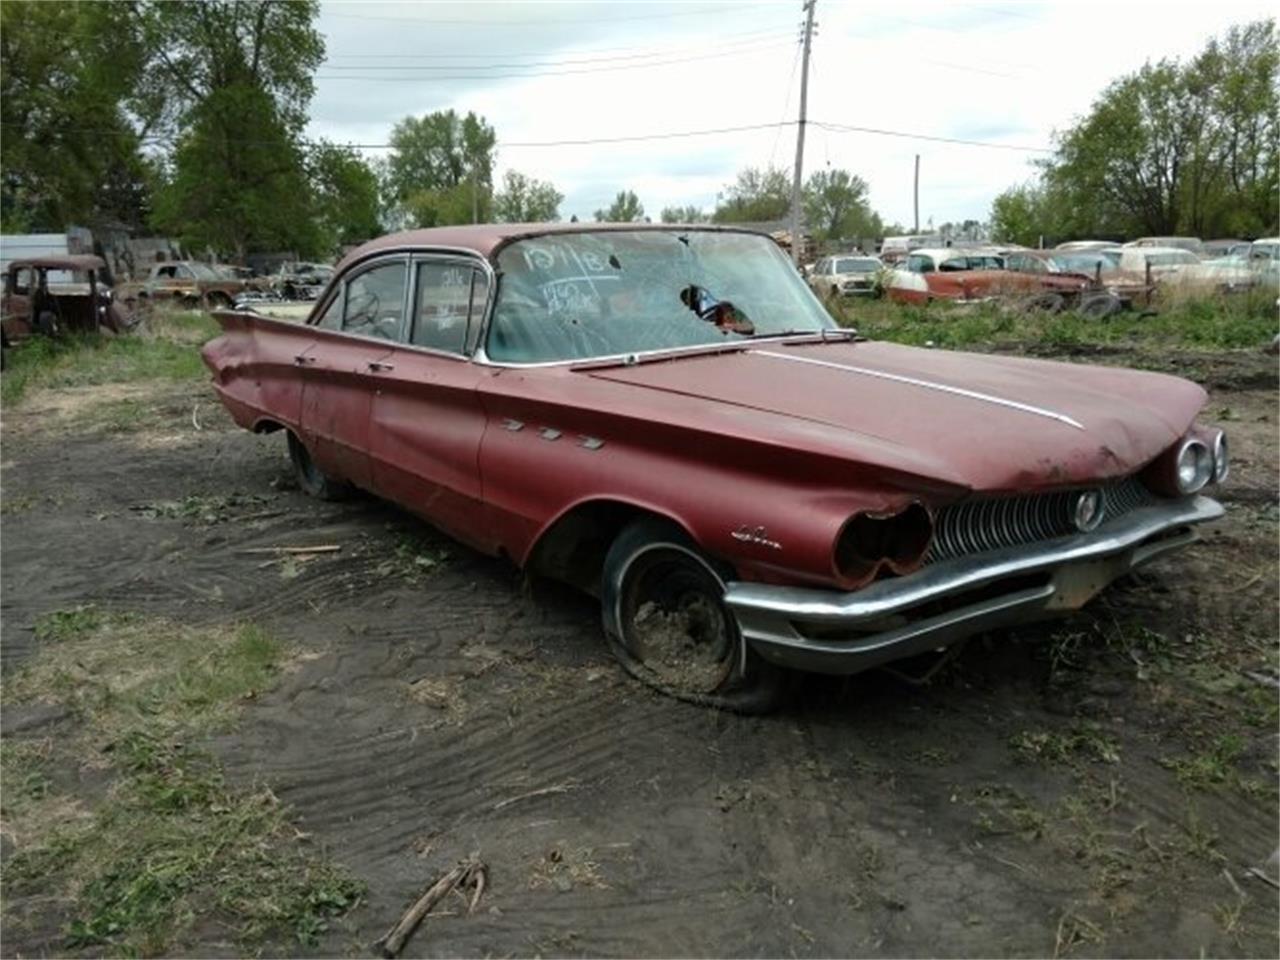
x,y
481,353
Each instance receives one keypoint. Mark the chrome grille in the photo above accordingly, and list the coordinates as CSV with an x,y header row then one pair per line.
x,y
975,526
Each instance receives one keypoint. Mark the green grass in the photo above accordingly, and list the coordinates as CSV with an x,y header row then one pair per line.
x,y
1246,320
163,347
169,847
1213,765
1083,741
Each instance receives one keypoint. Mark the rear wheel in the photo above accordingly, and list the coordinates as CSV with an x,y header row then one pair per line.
x,y
217,300
311,478
667,623
1100,305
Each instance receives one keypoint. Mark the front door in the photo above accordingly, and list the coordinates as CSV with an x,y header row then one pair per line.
x,y
343,371
427,421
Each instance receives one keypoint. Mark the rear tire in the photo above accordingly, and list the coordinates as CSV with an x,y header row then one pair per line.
x,y
668,626
311,478
1100,306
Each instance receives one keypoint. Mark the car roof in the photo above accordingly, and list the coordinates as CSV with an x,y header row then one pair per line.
x,y
61,261
943,253
486,239
1145,251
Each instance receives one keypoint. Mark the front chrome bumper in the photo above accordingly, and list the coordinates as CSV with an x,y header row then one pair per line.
x,y
828,632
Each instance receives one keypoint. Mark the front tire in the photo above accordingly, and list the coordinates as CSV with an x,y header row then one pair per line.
x,y
311,478
668,626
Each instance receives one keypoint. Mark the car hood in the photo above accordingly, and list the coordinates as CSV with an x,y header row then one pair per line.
x,y
977,421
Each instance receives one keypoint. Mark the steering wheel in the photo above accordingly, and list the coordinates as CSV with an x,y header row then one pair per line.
x,y
364,310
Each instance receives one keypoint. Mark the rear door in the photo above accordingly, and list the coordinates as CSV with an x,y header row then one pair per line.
x,y
427,420
355,338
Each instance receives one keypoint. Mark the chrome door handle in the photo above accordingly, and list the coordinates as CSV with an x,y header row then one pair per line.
x,y
377,367
302,359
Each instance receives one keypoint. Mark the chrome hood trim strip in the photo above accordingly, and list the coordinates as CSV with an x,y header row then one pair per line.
x,y
929,385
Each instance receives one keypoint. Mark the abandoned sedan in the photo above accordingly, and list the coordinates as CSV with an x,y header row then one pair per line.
x,y
668,418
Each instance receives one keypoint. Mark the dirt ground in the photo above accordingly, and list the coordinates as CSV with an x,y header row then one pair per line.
x,y
1095,787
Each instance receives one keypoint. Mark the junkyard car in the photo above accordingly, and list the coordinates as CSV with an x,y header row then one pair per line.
x,y
668,418
55,294
186,282
1107,290
963,274
851,275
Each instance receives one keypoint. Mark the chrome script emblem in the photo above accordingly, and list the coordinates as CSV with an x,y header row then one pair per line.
x,y
758,535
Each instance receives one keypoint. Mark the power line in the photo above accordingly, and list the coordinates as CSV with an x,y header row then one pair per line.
x,y
786,104
618,53
547,73
847,128
154,139
525,24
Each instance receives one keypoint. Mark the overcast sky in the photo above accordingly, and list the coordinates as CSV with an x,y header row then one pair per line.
x,y
998,72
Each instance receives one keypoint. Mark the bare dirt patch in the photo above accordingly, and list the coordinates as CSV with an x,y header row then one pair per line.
x,y
1097,786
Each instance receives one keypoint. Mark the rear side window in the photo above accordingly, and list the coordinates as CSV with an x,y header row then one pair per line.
x,y
375,302
449,302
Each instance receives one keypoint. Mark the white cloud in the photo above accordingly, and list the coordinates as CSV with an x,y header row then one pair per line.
x,y
1008,73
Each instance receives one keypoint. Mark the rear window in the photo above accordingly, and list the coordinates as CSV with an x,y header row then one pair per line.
x,y
857,265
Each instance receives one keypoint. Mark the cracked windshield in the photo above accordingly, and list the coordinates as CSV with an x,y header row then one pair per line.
x,y
579,296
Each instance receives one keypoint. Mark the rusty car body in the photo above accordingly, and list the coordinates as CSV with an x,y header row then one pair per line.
x,y
976,274
188,283
668,418
55,294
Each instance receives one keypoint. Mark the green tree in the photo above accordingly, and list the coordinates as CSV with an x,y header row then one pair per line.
x,y
440,170
1020,215
686,214
835,206
236,196
626,208
758,194
345,196
523,199
1174,148
234,77
68,153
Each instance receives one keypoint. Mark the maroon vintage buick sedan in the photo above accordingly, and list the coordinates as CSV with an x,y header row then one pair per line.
x,y
667,417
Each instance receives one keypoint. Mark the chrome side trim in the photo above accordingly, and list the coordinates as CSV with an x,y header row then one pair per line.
x,y
930,385
965,573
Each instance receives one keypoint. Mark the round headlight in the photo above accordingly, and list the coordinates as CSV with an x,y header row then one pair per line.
x,y
1088,511
1195,466
1221,463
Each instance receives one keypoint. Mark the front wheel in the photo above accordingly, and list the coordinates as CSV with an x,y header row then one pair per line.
x,y
311,478
667,623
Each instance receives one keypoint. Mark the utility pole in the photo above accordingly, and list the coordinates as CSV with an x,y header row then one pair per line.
x,y
916,193
804,109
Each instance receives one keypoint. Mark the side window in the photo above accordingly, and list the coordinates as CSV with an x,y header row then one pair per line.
x,y
22,281
331,319
821,269
443,312
375,302
165,272
183,272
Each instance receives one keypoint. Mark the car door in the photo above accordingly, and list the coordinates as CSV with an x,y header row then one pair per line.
x,y
427,422
355,336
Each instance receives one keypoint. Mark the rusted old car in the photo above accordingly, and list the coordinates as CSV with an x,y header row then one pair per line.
x,y
668,418
55,294
959,274
188,283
